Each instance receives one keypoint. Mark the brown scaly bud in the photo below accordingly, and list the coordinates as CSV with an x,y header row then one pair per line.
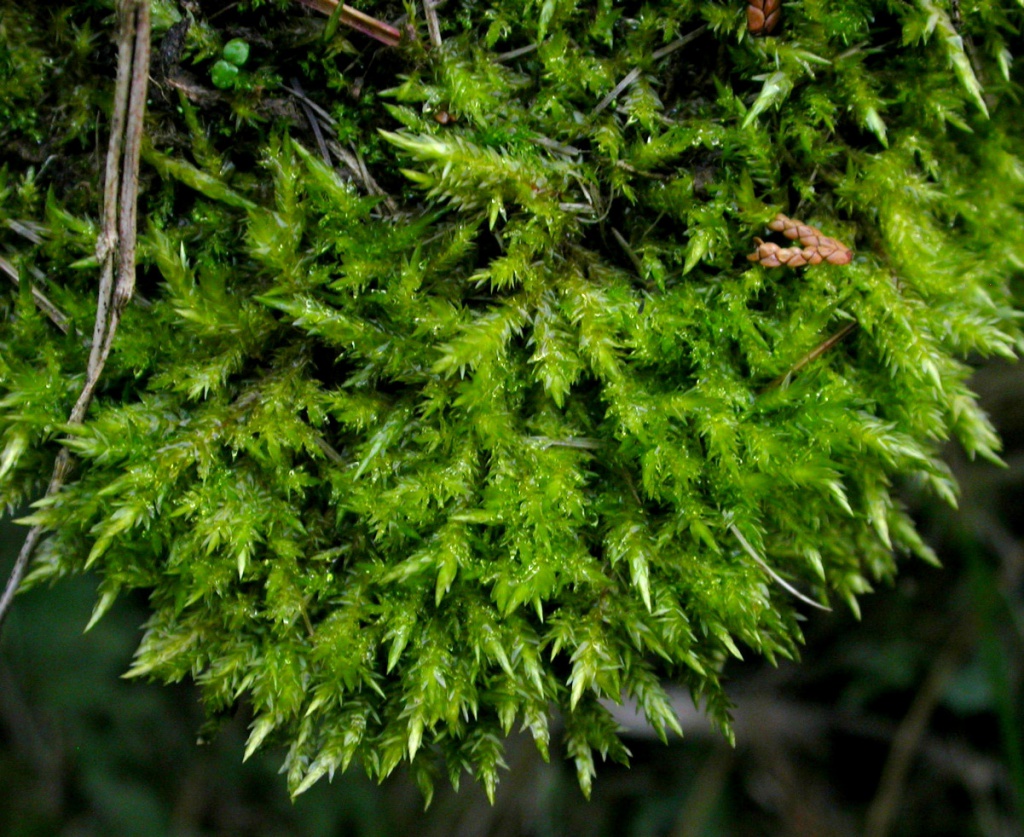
x,y
795,230
817,247
835,253
763,16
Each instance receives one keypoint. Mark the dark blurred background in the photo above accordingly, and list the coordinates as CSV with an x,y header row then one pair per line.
x,y
907,722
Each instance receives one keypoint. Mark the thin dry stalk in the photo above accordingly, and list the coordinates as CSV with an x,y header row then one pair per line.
x,y
634,74
355,19
433,25
813,355
785,585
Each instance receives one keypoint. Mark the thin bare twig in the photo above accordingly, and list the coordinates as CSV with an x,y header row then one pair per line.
x,y
911,731
813,355
678,43
313,121
433,25
302,97
634,74
629,252
355,163
117,238
631,76
578,442
514,53
557,147
31,230
58,317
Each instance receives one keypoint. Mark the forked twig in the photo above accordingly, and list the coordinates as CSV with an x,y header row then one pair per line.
x,y
117,238
634,74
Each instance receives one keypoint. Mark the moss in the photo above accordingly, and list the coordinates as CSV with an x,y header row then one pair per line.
x,y
494,418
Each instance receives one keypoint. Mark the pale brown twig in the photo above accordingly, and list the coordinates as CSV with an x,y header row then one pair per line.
x,y
814,354
634,74
433,25
355,19
357,166
785,585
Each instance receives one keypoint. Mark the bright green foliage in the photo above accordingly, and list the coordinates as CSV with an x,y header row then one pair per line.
x,y
406,474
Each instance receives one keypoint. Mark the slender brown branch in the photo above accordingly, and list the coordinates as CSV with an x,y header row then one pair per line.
x,y
355,19
298,93
634,74
813,355
785,585
514,53
433,25
127,207
123,152
629,252
355,163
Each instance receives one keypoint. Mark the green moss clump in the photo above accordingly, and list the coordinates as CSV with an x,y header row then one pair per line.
x,y
474,427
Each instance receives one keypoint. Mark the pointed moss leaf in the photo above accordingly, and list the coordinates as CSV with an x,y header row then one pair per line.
x,y
700,241
261,728
102,606
17,444
777,86
191,176
876,125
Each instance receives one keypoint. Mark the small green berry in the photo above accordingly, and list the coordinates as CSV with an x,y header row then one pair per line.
x,y
223,74
236,51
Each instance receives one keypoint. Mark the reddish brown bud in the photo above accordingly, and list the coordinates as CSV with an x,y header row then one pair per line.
x,y
763,16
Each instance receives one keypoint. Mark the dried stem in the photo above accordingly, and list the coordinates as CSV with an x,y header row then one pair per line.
x,y
813,355
116,239
433,25
311,117
354,19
